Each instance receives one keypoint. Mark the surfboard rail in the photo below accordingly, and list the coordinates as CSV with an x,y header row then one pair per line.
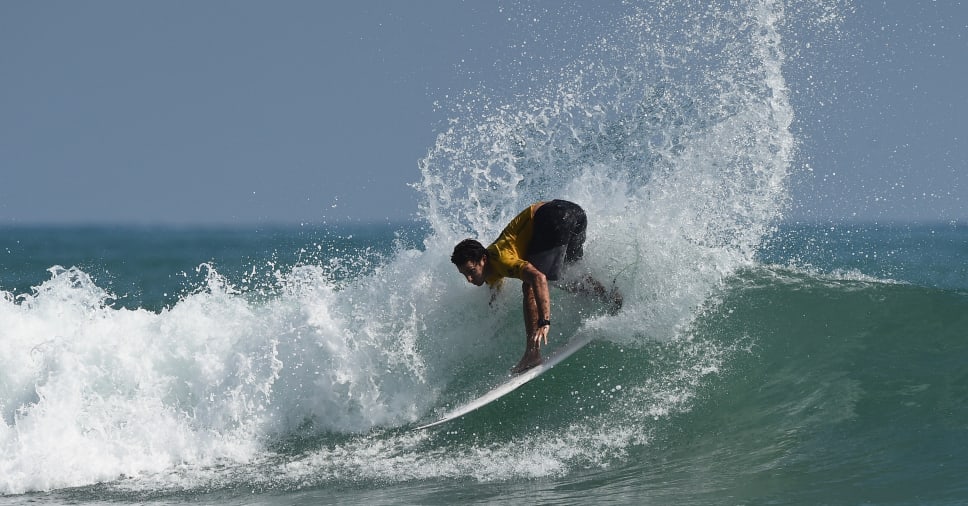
x,y
574,344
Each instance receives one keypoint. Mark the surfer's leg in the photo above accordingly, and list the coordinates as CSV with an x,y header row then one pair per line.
x,y
575,221
549,243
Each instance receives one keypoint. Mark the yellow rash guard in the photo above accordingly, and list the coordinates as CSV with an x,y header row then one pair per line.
x,y
506,255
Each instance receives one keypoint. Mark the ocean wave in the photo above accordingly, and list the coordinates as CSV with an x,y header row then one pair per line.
x,y
680,154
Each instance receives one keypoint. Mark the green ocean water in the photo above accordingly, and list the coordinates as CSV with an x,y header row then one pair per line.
x,y
810,384
754,361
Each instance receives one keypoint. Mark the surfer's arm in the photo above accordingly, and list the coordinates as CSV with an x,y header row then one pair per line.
x,y
539,284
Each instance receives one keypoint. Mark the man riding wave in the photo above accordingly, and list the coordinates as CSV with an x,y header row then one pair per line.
x,y
534,247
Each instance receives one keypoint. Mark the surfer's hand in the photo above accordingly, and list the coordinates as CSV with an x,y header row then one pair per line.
x,y
541,335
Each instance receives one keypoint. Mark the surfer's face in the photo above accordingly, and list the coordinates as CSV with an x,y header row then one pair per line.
x,y
473,271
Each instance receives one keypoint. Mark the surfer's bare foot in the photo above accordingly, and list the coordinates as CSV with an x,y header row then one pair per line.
x,y
529,360
590,286
615,302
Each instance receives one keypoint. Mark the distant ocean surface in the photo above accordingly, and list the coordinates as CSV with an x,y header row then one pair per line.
x,y
754,361
200,364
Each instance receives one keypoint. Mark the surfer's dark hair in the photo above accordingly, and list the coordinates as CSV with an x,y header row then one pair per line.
x,y
468,249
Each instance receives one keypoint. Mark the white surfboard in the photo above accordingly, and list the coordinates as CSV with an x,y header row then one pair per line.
x,y
576,343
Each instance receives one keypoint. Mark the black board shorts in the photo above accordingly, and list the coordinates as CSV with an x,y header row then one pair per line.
x,y
559,236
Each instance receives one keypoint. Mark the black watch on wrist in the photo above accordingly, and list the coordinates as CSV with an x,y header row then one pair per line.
x,y
544,322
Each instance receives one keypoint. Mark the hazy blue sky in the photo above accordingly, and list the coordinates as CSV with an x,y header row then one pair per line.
x,y
240,112
887,132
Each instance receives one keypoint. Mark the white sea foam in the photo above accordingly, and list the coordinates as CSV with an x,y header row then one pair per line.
x,y
673,134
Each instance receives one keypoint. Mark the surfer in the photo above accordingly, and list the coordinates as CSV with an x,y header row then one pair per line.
x,y
534,247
